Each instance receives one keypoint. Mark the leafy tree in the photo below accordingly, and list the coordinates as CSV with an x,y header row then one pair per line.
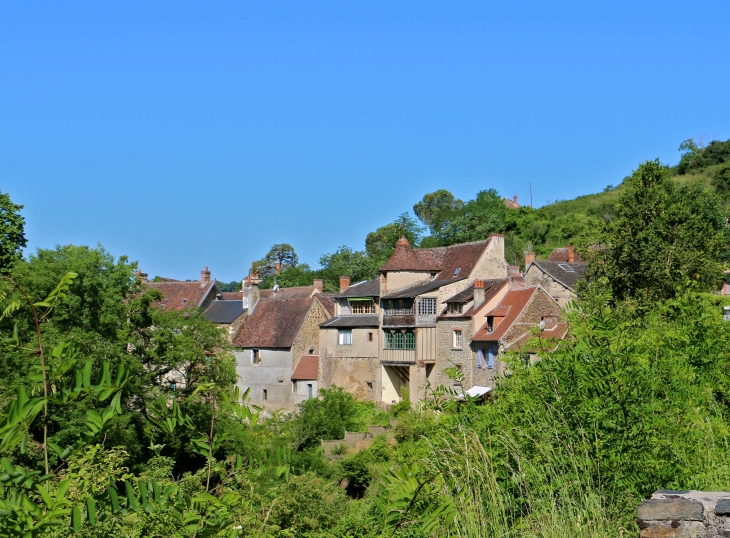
x,y
662,237
326,417
436,210
480,217
696,158
380,243
289,277
234,285
282,255
12,233
346,262
721,182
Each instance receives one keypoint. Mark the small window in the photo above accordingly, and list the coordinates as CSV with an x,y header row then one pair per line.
x,y
427,307
185,301
255,356
480,358
294,387
310,390
266,394
458,338
370,337
345,337
456,308
567,268
311,351
370,385
490,324
491,352
164,302
173,386
458,270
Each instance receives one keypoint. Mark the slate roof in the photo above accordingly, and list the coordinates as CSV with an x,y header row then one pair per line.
x,y
224,311
446,260
299,292
351,321
367,288
569,279
467,295
179,295
421,288
307,369
561,255
510,307
273,323
327,302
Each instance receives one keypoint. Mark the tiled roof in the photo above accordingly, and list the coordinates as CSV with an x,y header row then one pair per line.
x,y
274,323
558,332
418,289
327,302
558,272
561,255
351,321
307,369
367,288
511,307
468,294
232,296
224,311
180,295
446,260
298,292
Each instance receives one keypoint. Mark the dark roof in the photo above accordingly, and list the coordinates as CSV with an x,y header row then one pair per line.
x,y
299,292
273,323
232,296
224,311
510,308
562,255
423,287
367,288
446,260
569,279
351,321
327,302
180,295
468,294
307,368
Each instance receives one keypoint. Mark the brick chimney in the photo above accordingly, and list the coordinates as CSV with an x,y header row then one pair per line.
x,y
571,254
478,293
529,258
205,276
318,284
251,294
344,283
515,199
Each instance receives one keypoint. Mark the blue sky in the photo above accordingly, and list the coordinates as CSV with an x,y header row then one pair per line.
x,y
186,134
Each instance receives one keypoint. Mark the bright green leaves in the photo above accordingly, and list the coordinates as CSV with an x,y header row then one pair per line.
x,y
17,419
58,293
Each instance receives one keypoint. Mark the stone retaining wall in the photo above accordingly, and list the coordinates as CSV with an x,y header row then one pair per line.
x,y
685,514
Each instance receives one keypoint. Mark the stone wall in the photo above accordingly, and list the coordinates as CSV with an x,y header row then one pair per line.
x,y
447,355
685,514
540,305
536,277
308,337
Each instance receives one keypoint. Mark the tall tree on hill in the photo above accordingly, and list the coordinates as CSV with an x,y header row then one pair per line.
x,y
380,243
12,233
282,255
662,237
436,210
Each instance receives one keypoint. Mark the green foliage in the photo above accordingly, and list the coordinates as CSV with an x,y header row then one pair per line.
x,y
282,255
695,158
326,417
436,211
12,233
380,243
344,261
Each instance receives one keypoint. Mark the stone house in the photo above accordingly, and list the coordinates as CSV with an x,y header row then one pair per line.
x,y
464,314
516,315
277,333
414,287
179,295
558,275
350,341
227,314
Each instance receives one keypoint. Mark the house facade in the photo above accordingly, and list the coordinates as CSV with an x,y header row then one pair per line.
x,y
558,275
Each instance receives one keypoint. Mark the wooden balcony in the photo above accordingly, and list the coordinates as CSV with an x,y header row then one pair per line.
x,y
398,356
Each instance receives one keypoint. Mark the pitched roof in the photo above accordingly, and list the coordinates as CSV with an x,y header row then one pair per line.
x,y
351,321
510,307
298,292
274,323
224,311
327,302
180,295
446,260
562,255
307,368
567,274
366,288
491,287
418,289
552,335
232,296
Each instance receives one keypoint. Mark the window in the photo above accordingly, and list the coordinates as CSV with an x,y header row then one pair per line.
x,y
293,387
309,390
266,394
490,324
491,352
369,384
370,337
480,358
426,307
311,351
567,268
255,356
173,386
400,340
458,338
458,270
345,336
399,307
359,306
456,308
164,302
185,301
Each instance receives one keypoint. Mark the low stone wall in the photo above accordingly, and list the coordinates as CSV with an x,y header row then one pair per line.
x,y
685,514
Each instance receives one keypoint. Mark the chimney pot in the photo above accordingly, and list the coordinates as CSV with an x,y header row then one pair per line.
x,y
478,293
318,283
479,284
205,275
571,254
344,283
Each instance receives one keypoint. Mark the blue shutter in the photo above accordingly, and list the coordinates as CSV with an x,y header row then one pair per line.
x,y
480,357
490,359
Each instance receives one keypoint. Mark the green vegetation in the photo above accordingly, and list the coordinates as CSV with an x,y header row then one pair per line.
x,y
122,420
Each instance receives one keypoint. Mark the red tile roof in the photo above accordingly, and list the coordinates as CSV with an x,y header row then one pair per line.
x,y
232,296
307,368
180,295
299,292
510,307
274,323
446,260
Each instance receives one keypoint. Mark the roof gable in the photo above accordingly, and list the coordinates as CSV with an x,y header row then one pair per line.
x,y
565,273
181,295
510,308
451,262
274,323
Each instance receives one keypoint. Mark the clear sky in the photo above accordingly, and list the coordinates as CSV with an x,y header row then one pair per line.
x,y
186,134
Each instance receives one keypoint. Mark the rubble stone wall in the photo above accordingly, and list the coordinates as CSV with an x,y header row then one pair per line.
x,y
685,514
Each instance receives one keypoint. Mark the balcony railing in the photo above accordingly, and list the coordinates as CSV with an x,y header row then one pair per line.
x,y
404,356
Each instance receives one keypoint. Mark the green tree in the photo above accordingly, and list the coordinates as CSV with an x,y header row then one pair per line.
x,y
346,262
282,255
663,236
289,277
479,218
436,210
12,233
721,182
380,243
326,417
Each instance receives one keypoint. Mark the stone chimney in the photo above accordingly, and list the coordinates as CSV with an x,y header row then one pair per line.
x,y
142,276
344,283
529,258
571,254
478,293
251,295
205,276
318,284
518,282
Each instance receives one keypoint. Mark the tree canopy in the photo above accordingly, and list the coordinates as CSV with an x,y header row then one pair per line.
x,y
12,233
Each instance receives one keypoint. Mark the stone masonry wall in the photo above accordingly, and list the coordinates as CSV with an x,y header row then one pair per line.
x,y
447,356
308,337
540,305
556,290
685,514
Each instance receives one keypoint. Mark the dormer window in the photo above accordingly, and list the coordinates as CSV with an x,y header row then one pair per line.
x,y
456,308
490,324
